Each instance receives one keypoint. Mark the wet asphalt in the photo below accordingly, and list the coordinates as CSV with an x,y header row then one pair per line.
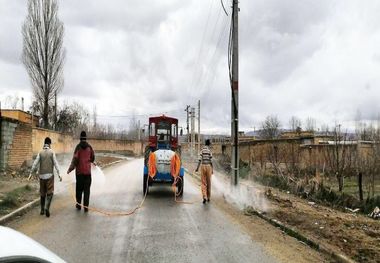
x,y
161,231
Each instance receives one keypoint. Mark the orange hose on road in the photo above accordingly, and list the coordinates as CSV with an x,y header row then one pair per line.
x,y
110,213
175,169
178,194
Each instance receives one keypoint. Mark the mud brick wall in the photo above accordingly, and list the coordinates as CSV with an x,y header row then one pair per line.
x,y
217,148
117,146
65,143
16,144
61,142
20,143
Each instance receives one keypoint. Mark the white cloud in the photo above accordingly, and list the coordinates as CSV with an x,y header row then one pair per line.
x,y
303,58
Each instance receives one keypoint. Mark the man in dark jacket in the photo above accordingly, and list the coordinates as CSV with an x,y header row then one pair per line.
x,y
82,159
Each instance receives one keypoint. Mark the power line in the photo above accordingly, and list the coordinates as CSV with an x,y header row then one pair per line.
x,y
221,1
214,60
199,77
202,42
139,115
208,75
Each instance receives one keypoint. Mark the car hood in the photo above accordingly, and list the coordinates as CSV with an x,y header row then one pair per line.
x,y
17,246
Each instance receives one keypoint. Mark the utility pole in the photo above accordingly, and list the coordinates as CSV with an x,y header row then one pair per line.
x,y
55,110
2,164
138,130
192,115
199,126
235,95
187,124
22,103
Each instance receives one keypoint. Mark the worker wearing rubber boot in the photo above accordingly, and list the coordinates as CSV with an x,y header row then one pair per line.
x,y
205,162
46,161
83,157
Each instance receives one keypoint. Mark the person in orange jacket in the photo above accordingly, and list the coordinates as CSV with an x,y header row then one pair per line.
x,y
205,162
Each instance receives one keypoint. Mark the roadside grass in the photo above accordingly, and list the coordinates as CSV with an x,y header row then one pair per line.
x,y
326,193
13,199
351,187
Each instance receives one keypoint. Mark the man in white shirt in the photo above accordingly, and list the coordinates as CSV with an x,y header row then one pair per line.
x,y
45,162
205,162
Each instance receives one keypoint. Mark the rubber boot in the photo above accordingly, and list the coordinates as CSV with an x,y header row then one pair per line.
x,y
48,203
42,201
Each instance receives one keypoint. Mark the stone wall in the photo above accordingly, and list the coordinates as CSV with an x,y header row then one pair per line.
x,y
16,143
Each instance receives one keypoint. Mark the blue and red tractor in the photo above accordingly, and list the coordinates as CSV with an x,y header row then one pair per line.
x,y
162,163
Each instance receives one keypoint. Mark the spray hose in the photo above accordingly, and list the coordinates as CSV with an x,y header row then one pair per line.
x,y
134,210
110,213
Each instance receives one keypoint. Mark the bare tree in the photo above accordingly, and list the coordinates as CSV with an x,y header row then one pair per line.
x,y
295,124
133,128
12,101
270,127
310,124
43,54
94,119
338,156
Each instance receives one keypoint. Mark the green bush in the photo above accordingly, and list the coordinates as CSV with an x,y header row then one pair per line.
x,y
370,204
244,169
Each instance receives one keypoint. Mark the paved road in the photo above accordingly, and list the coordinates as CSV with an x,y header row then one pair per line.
x,y
162,231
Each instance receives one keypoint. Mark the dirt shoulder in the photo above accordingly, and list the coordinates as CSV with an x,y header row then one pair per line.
x,y
275,242
354,235
16,191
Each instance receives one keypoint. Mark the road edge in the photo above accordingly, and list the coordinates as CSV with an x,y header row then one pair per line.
x,y
19,212
339,257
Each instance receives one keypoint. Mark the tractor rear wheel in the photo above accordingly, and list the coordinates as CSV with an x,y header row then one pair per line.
x,y
146,155
145,184
180,186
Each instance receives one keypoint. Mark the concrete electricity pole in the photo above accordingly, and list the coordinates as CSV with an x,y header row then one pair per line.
x,y
235,95
192,115
199,126
55,110
187,123
138,131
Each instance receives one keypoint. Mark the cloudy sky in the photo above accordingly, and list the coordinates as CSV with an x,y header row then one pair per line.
x,y
318,59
